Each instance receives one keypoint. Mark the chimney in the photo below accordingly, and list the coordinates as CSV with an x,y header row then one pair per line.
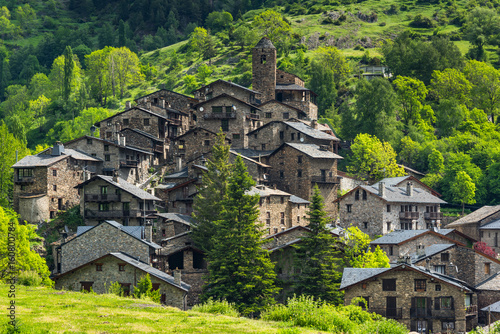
x,y
115,177
123,140
314,124
128,105
148,231
148,105
177,277
420,250
409,188
381,189
179,164
58,148
163,104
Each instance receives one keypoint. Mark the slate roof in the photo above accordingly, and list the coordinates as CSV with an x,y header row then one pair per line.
x,y
285,245
491,226
298,200
392,181
249,153
352,276
108,142
143,133
249,159
430,251
135,231
98,124
399,236
293,87
165,90
310,131
264,43
314,151
178,175
263,191
229,83
491,283
177,217
44,160
399,195
229,96
495,307
476,216
150,270
123,185
176,236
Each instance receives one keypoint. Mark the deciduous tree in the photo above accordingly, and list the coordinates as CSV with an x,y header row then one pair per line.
x,y
464,190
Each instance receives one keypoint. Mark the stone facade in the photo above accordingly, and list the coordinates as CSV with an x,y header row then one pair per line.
x,y
102,200
264,69
99,241
402,303
110,272
284,78
147,143
296,172
277,111
257,170
470,224
235,117
132,164
193,144
491,236
180,197
220,87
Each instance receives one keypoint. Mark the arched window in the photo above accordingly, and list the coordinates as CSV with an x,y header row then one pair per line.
x,y
364,195
356,195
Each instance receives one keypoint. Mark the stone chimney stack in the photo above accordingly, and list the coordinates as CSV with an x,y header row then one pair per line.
x,y
409,188
381,189
314,124
128,105
178,164
420,250
115,177
162,103
177,277
58,148
148,105
148,231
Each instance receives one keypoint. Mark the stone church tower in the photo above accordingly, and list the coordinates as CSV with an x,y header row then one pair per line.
x,y
264,69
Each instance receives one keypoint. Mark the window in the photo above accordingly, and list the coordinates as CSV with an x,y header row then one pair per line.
x,y
487,268
106,148
348,207
365,225
216,109
107,157
388,208
275,230
437,287
108,123
121,267
236,136
268,218
268,115
54,187
389,284
125,121
391,250
364,195
282,135
282,217
263,59
89,141
298,219
388,226
207,142
365,304
282,200
406,226
23,187
104,190
282,174
445,257
98,267
24,172
444,303
108,134
298,135
94,154
268,200
224,124
54,172
356,195
447,326
440,269
286,115
146,122
299,159
292,136
299,173
263,147
420,285
103,206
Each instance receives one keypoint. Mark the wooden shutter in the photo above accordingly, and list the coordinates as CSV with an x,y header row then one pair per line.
x,y
437,303
429,306
452,304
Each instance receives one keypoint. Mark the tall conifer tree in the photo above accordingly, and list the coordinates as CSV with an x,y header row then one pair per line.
x,y
69,65
240,270
317,257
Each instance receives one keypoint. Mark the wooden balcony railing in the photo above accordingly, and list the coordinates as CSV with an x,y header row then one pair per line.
x,y
324,179
24,179
391,313
409,215
471,310
219,115
128,163
102,198
174,121
253,116
433,215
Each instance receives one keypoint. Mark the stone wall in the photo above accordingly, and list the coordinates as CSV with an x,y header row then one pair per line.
x,y
98,242
220,87
133,118
276,111
264,72
110,273
173,100
405,291
168,228
193,144
285,78
273,208
34,209
492,238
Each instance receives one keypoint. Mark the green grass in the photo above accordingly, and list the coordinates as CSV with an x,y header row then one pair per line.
x,y
46,310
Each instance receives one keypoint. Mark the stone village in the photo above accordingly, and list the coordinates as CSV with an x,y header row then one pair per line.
x,y
136,182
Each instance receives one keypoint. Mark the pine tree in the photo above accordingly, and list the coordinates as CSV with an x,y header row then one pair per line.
x,y
122,39
212,192
317,257
240,270
69,64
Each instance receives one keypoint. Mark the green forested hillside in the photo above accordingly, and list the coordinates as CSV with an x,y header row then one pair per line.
x,y
66,64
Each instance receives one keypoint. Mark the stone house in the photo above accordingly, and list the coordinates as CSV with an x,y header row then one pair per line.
x,y
457,261
488,293
297,167
92,242
44,183
274,134
119,267
143,140
220,87
180,197
380,210
278,111
274,84
169,225
349,182
401,243
402,181
482,225
423,300
258,170
235,117
131,163
110,197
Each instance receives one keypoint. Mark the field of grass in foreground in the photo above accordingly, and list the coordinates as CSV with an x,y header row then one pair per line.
x,y
43,310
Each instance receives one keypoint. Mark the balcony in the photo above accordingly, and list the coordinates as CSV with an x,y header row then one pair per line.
x,y
24,180
128,163
471,310
433,215
420,313
174,121
158,148
118,213
324,179
219,115
438,314
391,313
253,116
409,215
102,198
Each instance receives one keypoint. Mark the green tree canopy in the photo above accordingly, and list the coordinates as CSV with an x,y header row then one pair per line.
x,y
464,190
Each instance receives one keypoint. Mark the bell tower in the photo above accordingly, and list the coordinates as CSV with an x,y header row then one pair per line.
x,y
264,69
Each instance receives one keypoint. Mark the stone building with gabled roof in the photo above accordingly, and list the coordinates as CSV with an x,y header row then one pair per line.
x,y
110,197
219,87
423,300
380,210
44,183
278,111
127,270
402,181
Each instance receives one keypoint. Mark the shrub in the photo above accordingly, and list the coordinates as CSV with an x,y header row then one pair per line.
x,y
116,289
382,24
420,21
222,307
144,289
32,278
